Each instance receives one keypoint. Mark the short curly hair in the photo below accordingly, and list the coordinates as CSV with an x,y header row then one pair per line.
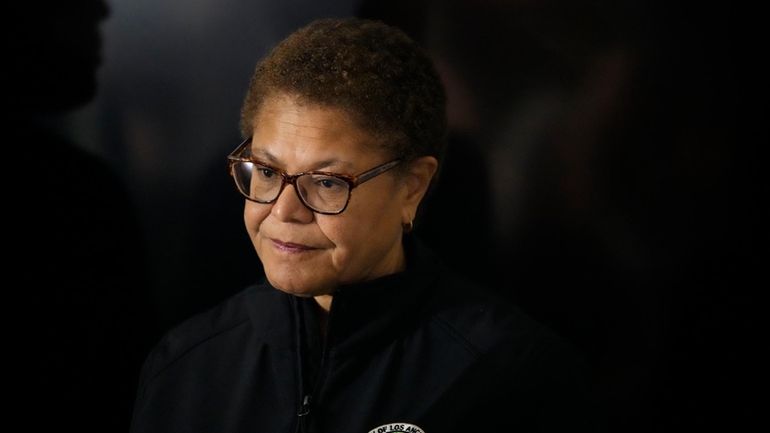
x,y
374,72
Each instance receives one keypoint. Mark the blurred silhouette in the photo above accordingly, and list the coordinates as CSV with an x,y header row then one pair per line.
x,y
619,214
79,257
460,204
221,259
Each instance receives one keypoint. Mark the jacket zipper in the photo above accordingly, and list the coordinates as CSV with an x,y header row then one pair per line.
x,y
303,414
307,399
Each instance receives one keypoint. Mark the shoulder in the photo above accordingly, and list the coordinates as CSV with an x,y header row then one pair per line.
x,y
518,362
512,349
479,316
223,325
492,328
473,315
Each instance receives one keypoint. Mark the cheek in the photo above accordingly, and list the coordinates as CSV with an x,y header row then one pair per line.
x,y
362,231
253,215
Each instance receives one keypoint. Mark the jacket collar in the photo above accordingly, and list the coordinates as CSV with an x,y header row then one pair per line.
x,y
363,315
370,313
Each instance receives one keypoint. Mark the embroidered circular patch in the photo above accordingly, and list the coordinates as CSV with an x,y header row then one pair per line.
x,y
397,427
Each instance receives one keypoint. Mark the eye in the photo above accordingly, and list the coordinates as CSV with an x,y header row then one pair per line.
x,y
330,182
265,172
327,183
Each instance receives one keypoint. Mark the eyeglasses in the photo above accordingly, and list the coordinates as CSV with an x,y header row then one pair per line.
x,y
320,191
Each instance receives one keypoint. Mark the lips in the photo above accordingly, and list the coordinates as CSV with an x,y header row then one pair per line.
x,y
291,247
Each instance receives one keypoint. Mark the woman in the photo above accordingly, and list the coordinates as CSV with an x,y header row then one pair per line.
x,y
358,328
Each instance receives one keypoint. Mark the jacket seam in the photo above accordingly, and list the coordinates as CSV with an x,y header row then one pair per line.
x,y
190,349
456,335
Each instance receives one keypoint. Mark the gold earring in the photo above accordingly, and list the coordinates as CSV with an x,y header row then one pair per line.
x,y
408,227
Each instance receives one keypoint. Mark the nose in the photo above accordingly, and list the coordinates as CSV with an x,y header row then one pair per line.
x,y
289,208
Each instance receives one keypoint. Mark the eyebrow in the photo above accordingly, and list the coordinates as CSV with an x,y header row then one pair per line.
x,y
326,163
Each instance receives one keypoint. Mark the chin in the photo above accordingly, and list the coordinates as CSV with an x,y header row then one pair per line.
x,y
295,285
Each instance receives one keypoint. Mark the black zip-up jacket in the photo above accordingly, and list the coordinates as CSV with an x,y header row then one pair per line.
x,y
416,351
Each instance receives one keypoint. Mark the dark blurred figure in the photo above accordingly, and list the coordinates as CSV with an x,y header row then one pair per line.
x,y
77,254
221,256
463,181
622,211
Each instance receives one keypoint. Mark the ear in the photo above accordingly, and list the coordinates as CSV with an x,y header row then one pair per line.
x,y
416,183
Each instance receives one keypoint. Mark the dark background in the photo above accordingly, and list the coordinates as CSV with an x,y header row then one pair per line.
x,y
597,174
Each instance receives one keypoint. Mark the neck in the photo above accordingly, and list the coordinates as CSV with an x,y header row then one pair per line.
x,y
325,302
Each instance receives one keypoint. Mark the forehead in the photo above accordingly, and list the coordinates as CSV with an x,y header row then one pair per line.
x,y
298,134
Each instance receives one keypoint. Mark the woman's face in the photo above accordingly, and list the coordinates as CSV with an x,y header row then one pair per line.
x,y
310,254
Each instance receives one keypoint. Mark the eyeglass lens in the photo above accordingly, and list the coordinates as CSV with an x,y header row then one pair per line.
x,y
263,184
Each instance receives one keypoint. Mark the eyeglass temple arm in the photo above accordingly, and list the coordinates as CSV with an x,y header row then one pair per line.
x,y
235,153
376,171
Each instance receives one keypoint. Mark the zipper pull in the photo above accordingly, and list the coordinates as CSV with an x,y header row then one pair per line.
x,y
304,410
303,414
